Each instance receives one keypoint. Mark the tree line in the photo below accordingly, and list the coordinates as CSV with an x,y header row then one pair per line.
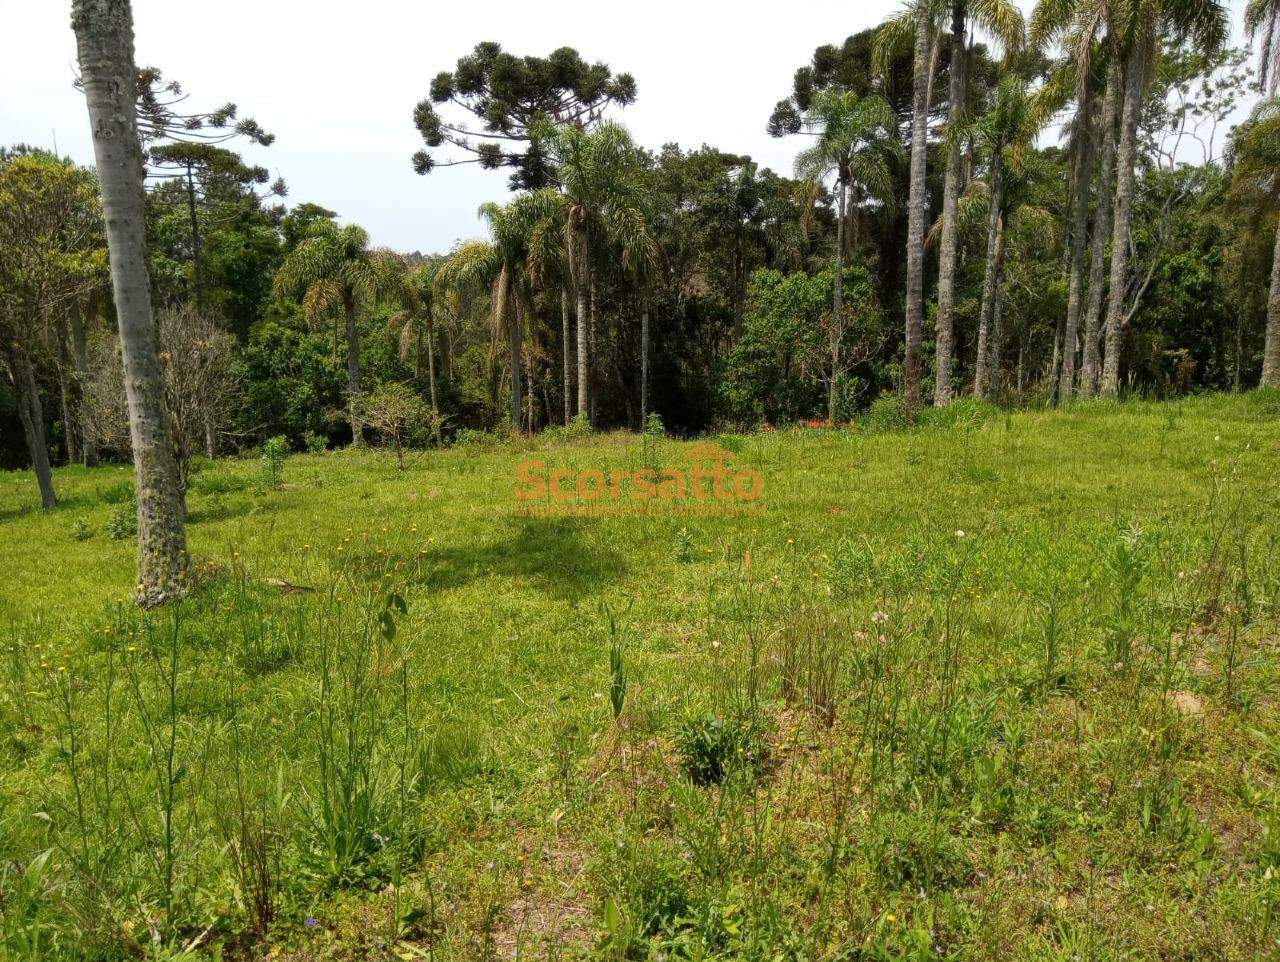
x,y
1017,211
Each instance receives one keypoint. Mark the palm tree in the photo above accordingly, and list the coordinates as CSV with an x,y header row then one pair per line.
x,y
1257,159
858,142
503,265
1262,17
1135,28
1002,20
917,20
104,44
1010,125
600,175
417,323
335,269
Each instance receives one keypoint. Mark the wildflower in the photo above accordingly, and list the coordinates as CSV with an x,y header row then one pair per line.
x,y
959,533
311,921
891,917
715,644
879,617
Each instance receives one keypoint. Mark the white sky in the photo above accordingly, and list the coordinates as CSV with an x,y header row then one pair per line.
x,y
338,88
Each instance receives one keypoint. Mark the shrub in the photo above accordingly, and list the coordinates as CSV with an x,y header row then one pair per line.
x,y
123,523
654,427
274,453
81,530
711,749
315,443
888,412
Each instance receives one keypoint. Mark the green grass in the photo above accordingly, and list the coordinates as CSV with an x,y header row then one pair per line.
x,y
1000,686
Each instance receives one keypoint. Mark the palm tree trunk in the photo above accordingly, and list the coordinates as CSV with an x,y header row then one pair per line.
x,y
581,283
353,371
1092,359
997,321
645,350
31,414
431,364
994,239
104,40
1271,348
837,313
950,200
567,353
515,333
80,358
1080,177
916,212
1134,82
593,357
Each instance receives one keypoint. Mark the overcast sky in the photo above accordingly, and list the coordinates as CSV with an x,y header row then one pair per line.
x,y
338,89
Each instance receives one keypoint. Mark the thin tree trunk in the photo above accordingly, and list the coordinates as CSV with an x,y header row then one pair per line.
x,y
1134,82
514,322
645,349
567,353
950,200
837,313
353,372
1271,348
80,357
916,214
994,239
104,40
210,436
581,282
1092,360
593,357
66,396
197,270
31,414
1080,177
997,320
431,364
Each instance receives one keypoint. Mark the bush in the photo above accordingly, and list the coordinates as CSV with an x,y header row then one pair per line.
x,y
123,523
315,443
274,453
711,749
81,530
887,413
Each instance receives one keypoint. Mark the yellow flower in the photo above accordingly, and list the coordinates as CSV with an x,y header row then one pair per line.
x,y
891,917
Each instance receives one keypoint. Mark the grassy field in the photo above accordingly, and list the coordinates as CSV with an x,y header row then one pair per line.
x,y
996,687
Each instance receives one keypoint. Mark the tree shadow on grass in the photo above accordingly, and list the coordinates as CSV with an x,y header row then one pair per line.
x,y
550,554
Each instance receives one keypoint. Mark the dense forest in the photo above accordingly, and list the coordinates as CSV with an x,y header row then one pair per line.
x,y
1029,212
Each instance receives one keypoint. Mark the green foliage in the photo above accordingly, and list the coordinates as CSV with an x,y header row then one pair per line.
x,y
887,413
275,451
712,749
772,371
123,523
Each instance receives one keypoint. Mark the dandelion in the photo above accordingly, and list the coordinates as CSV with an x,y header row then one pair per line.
x,y
891,917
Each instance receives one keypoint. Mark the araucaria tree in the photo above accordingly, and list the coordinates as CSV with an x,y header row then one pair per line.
x,y
335,271
104,41
501,98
